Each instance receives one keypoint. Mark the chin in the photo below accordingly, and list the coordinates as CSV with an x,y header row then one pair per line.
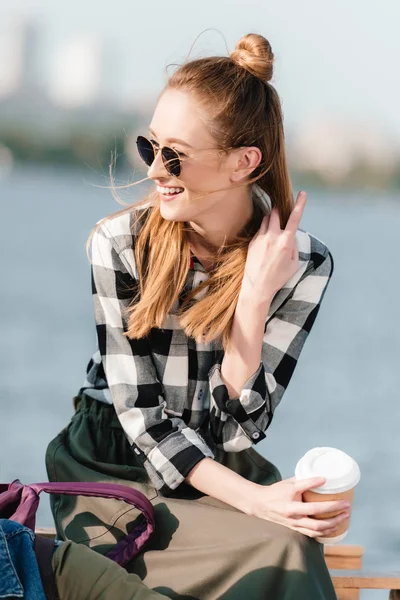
x,y
169,212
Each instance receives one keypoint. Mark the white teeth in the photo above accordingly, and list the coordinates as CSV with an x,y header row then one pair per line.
x,y
167,191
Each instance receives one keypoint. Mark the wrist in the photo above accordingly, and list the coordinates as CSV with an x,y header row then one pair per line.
x,y
249,299
259,501
250,501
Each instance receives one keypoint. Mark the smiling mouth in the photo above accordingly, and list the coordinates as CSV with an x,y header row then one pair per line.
x,y
168,193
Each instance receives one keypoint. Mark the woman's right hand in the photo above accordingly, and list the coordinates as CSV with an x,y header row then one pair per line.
x,y
282,503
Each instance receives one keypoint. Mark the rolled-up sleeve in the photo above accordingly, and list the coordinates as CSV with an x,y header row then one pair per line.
x,y
168,448
238,423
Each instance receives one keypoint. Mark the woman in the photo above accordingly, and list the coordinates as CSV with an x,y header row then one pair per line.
x,y
204,295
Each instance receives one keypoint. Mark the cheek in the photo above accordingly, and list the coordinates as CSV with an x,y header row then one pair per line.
x,y
188,206
200,180
202,177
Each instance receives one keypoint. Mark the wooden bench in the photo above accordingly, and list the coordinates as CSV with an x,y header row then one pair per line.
x,y
345,566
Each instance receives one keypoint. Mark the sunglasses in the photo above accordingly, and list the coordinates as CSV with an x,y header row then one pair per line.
x,y
170,157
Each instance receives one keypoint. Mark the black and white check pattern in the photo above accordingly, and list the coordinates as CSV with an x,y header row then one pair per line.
x,y
167,389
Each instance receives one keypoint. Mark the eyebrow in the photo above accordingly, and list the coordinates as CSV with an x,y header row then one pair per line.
x,y
172,140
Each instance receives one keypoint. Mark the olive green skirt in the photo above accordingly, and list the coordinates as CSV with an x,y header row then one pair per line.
x,y
202,549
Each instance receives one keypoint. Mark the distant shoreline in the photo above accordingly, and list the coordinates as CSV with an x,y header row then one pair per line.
x,y
95,147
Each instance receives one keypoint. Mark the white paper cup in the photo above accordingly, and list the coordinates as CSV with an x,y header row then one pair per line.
x,y
342,475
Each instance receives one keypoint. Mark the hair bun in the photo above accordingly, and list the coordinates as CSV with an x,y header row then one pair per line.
x,y
253,52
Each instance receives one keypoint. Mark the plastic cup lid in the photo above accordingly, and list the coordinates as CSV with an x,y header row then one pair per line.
x,y
338,468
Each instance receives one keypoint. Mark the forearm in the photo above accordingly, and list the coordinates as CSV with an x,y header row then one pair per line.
x,y
243,355
220,482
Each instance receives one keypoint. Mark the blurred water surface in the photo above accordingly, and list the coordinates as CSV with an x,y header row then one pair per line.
x,y
344,393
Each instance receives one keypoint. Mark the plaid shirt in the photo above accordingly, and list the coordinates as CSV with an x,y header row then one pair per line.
x,y
167,389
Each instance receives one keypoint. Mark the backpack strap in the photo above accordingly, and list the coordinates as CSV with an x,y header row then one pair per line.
x,y
126,548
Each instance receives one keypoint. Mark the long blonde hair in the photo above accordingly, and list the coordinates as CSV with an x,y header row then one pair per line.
x,y
244,110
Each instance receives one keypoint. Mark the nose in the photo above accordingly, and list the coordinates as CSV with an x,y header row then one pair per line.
x,y
157,169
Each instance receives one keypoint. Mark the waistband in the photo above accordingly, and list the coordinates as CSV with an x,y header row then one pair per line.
x,y
104,414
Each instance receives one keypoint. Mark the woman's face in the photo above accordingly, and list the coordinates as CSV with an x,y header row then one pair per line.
x,y
179,122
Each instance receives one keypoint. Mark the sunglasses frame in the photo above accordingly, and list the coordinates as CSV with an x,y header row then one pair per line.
x,y
169,156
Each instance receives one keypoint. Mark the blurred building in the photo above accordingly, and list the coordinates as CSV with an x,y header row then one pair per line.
x,y
75,74
21,58
334,148
83,73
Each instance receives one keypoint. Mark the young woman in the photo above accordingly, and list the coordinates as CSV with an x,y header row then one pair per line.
x,y
204,295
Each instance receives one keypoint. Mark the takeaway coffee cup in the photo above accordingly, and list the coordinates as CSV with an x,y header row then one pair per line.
x,y
342,475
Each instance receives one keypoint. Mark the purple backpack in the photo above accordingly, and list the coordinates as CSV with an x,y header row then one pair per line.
x,y
19,503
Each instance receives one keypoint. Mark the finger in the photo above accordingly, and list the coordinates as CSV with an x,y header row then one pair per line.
x,y
264,225
302,485
274,221
313,534
308,532
296,214
262,229
320,508
321,525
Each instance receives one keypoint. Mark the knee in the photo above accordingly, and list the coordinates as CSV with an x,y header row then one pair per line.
x,y
289,540
294,538
303,549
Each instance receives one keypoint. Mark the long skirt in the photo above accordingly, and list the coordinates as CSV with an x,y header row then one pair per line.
x,y
202,548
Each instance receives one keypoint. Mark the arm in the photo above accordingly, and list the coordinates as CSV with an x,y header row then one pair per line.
x,y
286,332
238,422
168,448
280,502
242,357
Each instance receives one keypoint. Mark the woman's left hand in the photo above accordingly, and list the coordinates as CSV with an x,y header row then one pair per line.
x,y
273,257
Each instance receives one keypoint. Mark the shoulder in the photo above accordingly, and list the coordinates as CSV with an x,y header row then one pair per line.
x,y
310,245
112,241
315,269
122,228
313,252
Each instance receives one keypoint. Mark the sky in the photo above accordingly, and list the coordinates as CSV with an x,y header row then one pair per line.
x,y
332,59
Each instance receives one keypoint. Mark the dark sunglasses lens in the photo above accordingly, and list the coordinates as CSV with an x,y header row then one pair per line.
x,y
171,161
145,149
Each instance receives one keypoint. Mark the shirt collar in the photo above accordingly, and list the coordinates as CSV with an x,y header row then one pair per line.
x,y
195,264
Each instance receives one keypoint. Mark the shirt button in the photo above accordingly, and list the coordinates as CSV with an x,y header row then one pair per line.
x,y
137,451
255,435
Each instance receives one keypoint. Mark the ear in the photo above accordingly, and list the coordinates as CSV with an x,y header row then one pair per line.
x,y
246,160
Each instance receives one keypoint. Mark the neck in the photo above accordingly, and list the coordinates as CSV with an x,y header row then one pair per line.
x,y
224,221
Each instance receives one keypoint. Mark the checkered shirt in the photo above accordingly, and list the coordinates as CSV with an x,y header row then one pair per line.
x,y
167,388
